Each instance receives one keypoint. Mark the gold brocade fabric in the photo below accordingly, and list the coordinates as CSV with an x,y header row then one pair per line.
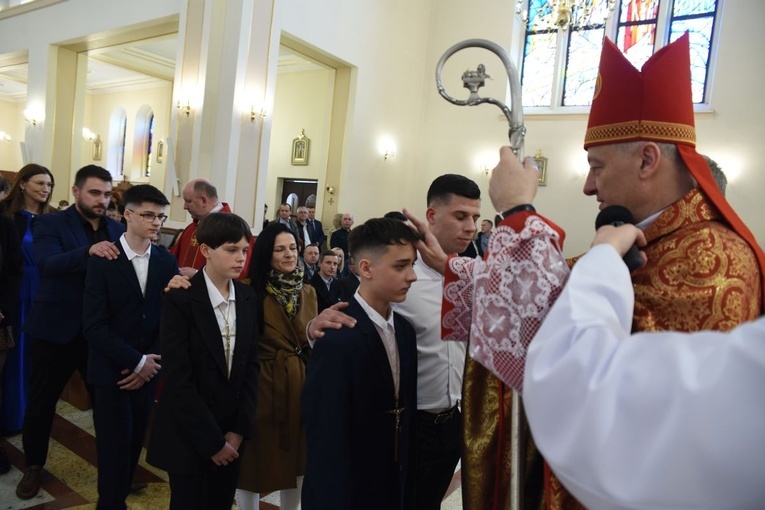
x,y
485,460
484,445
700,275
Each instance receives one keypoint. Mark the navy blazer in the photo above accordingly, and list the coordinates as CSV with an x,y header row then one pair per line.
x,y
316,231
326,298
346,401
119,322
61,253
200,401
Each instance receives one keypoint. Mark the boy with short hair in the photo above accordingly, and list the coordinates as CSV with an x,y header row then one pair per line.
x,y
121,326
210,360
360,392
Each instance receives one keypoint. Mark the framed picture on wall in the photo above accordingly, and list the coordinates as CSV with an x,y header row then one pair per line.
x,y
97,149
300,149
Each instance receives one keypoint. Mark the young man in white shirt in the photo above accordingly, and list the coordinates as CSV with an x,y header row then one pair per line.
x,y
121,309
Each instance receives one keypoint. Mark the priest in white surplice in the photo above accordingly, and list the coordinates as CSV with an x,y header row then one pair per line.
x,y
655,420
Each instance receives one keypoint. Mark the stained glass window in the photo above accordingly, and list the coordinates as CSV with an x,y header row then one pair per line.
x,y
560,65
539,55
698,18
149,141
121,147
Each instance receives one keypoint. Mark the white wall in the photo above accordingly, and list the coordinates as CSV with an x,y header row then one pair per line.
x,y
12,122
303,100
386,41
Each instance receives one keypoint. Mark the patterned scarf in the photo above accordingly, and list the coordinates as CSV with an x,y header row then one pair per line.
x,y
285,288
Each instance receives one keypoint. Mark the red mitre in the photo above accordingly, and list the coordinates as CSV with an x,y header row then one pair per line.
x,y
656,104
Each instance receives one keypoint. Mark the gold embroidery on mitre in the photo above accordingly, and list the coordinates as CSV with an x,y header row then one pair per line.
x,y
635,129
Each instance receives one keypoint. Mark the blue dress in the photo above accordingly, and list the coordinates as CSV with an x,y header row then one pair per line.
x,y
16,373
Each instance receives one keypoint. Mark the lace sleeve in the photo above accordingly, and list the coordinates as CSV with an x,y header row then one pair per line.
x,y
512,291
457,304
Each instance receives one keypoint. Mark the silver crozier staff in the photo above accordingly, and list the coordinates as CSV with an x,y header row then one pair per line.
x,y
474,80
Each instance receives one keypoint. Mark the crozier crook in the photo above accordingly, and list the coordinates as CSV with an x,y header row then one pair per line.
x,y
474,80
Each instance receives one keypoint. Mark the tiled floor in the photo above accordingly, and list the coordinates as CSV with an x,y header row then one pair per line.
x,y
70,481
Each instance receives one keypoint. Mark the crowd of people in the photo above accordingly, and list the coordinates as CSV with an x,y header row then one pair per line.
x,y
356,370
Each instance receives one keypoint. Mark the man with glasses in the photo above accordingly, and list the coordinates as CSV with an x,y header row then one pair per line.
x,y
121,312
63,243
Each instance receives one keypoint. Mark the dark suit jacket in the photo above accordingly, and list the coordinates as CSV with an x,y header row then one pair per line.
x,y
339,239
326,298
11,271
119,323
61,252
200,403
348,286
346,401
316,231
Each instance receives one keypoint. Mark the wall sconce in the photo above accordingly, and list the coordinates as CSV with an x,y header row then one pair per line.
x,y
331,190
34,114
184,108
387,148
485,169
260,115
88,135
4,137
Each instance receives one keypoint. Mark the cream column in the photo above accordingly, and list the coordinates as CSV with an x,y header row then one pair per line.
x,y
221,74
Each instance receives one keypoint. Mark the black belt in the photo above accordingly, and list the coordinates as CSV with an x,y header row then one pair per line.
x,y
441,417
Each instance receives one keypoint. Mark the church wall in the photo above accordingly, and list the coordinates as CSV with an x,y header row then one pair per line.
x,y
303,100
99,111
11,121
386,44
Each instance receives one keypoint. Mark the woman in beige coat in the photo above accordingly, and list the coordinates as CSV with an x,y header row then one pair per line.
x,y
274,459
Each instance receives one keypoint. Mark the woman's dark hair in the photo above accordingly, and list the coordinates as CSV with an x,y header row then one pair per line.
x,y
260,264
14,202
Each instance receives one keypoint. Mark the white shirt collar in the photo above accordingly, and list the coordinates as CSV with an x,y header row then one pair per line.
x,y
216,298
217,207
647,222
129,253
380,321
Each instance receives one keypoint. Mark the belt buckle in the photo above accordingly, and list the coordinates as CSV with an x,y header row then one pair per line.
x,y
443,417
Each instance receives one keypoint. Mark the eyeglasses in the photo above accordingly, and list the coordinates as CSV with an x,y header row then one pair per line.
x,y
149,217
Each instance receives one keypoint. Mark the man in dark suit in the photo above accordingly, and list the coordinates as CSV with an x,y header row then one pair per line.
x,y
360,395
63,242
339,238
310,262
315,229
285,217
328,291
482,241
350,283
121,325
210,372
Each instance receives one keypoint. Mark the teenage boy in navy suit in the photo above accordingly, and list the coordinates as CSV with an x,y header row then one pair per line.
x,y
210,372
359,398
63,244
121,325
